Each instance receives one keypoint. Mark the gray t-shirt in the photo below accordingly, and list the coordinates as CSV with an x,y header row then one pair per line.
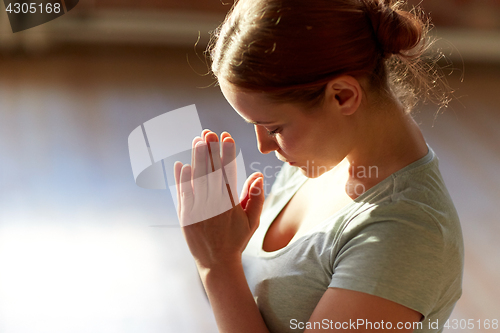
x,y
400,240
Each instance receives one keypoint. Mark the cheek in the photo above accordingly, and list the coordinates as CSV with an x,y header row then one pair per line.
x,y
295,145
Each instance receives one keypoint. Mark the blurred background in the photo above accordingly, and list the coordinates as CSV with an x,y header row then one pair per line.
x,y
83,249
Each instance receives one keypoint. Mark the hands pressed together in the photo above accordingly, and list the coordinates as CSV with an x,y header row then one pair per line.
x,y
215,225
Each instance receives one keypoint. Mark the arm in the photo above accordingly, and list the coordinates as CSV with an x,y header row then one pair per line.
x,y
217,242
349,307
221,270
398,260
229,295
232,302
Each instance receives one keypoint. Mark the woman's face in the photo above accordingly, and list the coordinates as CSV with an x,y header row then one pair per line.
x,y
313,140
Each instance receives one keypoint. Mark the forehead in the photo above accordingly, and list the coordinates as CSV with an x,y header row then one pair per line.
x,y
254,107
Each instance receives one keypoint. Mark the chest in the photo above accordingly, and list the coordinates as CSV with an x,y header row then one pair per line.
x,y
312,203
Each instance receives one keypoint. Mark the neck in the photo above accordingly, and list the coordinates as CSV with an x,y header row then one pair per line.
x,y
388,140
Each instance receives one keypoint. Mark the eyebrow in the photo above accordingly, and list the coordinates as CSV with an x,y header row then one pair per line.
x,y
259,122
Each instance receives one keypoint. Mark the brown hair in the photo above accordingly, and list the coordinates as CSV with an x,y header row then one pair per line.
x,y
290,49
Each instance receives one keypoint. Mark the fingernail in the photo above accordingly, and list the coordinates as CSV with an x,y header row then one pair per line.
x,y
259,182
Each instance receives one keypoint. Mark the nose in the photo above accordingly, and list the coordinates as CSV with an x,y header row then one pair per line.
x,y
265,143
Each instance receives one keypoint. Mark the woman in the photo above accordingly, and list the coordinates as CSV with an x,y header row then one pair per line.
x,y
359,231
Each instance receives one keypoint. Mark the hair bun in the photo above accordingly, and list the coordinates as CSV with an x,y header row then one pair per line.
x,y
397,31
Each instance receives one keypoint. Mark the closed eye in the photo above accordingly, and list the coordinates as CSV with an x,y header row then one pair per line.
x,y
273,132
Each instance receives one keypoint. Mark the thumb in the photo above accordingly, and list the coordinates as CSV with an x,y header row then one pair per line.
x,y
255,203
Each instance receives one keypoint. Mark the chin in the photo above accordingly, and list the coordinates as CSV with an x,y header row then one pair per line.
x,y
312,172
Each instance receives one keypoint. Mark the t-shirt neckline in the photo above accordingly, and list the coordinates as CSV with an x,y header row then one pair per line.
x,y
422,161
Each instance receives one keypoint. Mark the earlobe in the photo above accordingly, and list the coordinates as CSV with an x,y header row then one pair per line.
x,y
347,94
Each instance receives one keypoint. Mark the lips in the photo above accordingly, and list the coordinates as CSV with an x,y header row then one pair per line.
x,y
281,158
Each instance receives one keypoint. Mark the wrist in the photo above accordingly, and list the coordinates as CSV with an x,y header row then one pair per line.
x,y
220,268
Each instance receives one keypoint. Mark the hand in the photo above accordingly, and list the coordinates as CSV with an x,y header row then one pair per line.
x,y
216,228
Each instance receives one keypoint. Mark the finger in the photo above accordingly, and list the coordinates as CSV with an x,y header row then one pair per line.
x,y
245,193
211,136
224,135
230,168
186,190
204,133
214,150
193,144
218,181
196,140
200,168
228,151
255,203
177,176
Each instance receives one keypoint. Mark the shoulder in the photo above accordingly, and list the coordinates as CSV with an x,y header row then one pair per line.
x,y
415,195
409,221
400,252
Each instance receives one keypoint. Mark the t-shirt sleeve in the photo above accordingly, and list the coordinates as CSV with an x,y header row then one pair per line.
x,y
398,258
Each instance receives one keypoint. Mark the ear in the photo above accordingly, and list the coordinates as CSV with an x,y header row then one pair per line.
x,y
345,93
